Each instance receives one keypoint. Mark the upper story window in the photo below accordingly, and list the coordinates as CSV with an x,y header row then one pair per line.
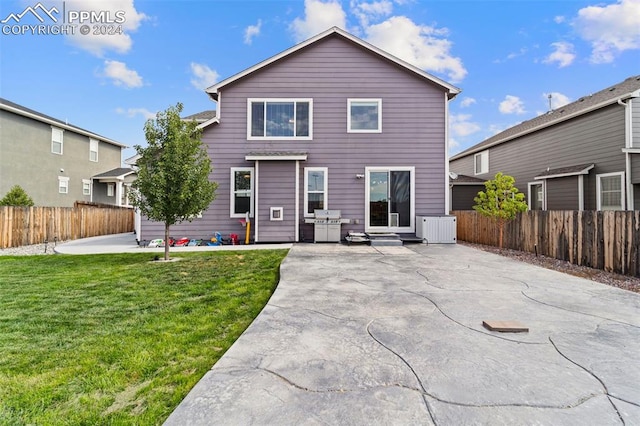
x,y
481,163
364,115
315,189
279,119
241,192
93,150
57,140
610,191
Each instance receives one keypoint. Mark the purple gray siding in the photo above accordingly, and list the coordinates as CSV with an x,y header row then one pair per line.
x,y
562,193
329,71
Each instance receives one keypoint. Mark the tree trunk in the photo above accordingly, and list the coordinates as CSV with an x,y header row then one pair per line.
x,y
166,241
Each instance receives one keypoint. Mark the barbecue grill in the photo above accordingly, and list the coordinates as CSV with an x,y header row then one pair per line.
x,y
326,226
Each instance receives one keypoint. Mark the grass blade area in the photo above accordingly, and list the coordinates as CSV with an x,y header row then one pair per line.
x,y
120,339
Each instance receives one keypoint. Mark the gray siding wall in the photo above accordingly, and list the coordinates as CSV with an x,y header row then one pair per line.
x,y
462,196
562,193
597,137
635,113
26,160
330,72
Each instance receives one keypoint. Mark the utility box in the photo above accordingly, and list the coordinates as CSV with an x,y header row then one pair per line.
x,y
436,229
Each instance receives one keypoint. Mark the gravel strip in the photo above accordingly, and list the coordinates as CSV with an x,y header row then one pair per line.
x,y
625,282
34,249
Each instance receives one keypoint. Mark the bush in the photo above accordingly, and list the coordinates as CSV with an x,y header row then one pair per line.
x,y
17,197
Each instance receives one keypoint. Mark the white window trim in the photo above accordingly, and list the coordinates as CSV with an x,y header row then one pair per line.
x,y
350,130
544,193
622,189
306,186
86,182
61,141
232,195
111,189
484,163
287,138
63,183
276,214
93,143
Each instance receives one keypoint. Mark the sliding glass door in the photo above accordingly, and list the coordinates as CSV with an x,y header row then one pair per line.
x,y
390,199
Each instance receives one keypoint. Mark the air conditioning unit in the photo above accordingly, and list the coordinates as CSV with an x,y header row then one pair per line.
x,y
435,229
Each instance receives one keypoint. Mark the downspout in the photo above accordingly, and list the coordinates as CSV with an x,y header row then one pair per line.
x,y
628,132
256,212
297,209
446,155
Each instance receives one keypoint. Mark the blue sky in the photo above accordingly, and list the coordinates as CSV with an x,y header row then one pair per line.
x,y
506,56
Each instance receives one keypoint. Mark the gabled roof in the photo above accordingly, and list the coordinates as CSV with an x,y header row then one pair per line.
x,y
452,91
626,89
35,115
202,116
581,169
118,173
458,179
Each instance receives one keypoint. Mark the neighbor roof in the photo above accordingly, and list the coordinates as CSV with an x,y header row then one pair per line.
x,y
201,117
624,90
120,172
451,90
35,115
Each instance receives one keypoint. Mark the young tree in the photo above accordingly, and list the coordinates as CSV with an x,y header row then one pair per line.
x,y
501,201
173,172
17,197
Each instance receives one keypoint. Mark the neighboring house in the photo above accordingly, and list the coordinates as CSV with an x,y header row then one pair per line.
x,y
331,123
56,163
582,156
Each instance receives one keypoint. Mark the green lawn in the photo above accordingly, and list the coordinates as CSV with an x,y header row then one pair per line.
x,y
119,339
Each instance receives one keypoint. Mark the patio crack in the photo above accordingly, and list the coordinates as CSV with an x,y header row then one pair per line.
x,y
468,327
577,312
426,277
592,374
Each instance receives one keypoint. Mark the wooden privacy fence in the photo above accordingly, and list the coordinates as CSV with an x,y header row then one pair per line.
x,y
21,226
608,240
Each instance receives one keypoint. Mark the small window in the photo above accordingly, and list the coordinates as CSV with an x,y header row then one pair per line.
x,y
364,115
536,196
279,119
93,150
315,189
111,190
241,192
57,140
610,191
86,187
63,185
276,214
481,163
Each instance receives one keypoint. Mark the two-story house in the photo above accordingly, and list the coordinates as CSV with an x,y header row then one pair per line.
x,y
331,123
57,163
582,156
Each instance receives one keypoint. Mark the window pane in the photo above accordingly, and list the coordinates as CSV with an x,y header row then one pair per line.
x,y
280,119
242,203
302,119
316,201
243,180
257,119
611,192
56,148
315,181
364,115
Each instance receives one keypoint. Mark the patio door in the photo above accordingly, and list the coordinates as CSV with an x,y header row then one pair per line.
x,y
390,199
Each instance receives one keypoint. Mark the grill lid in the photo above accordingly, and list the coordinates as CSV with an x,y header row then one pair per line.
x,y
327,214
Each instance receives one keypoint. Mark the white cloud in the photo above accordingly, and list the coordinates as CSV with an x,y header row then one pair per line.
x,y
461,126
512,105
98,44
121,75
132,112
319,16
252,31
610,29
563,54
374,10
203,76
559,19
557,99
420,45
467,102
